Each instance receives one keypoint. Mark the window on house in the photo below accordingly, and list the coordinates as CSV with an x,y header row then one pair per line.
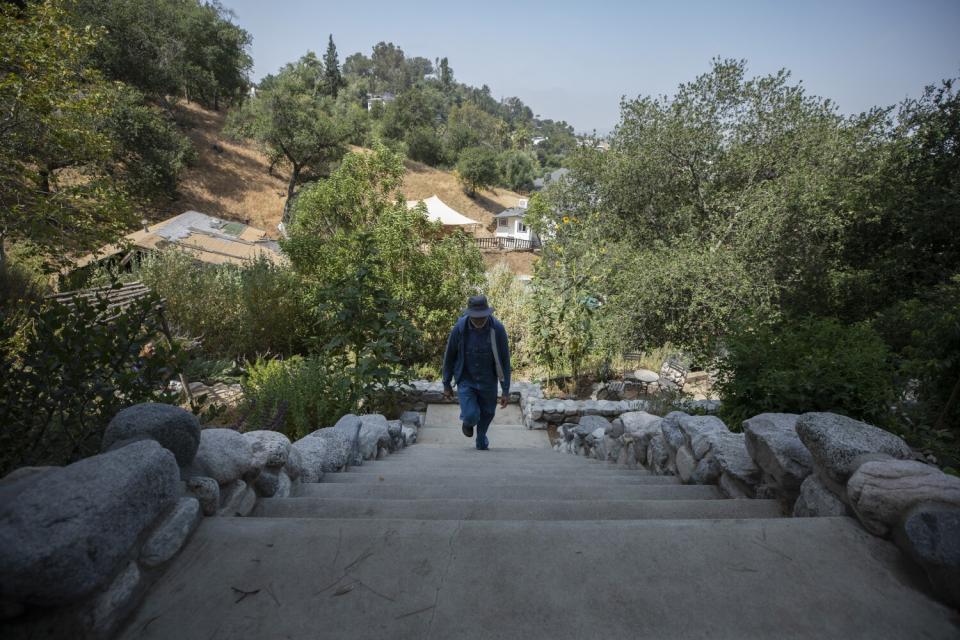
x,y
502,222
521,228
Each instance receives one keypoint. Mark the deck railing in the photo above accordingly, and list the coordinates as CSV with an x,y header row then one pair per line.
x,y
501,243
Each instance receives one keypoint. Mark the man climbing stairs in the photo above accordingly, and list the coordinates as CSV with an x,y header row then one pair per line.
x,y
444,541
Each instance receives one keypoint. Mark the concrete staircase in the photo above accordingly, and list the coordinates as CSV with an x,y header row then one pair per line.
x,y
443,541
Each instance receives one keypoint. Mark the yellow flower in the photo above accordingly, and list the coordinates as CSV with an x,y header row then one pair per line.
x,y
566,219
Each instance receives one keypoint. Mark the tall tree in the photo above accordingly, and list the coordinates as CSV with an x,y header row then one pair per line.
x,y
446,73
293,121
72,146
331,69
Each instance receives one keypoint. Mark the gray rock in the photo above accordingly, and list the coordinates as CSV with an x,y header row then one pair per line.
x,y
835,441
693,427
612,448
658,459
374,435
930,534
707,471
733,488
730,452
22,473
817,501
111,607
68,531
224,455
314,453
615,429
294,466
169,537
588,424
880,493
670,428
409,435
19,479
339,450
268,482
685,463
568,430
270,448
174,428
411,419
284,486
639,423
595,437
238,499
207,493
394,428
350,425
775,447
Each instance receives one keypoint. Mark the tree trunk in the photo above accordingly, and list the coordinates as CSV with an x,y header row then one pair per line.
x,y
291,188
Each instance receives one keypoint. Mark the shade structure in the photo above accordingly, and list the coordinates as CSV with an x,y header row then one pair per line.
x,y
438,211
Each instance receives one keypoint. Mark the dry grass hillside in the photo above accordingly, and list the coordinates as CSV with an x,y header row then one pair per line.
x,y
423,181
231,180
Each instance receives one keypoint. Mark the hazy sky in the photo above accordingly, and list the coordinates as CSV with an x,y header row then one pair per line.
x,y
573,60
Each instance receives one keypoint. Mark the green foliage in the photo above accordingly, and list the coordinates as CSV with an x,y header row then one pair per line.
x,y
924,333
361,329
295,396
170,47
234,311
54,108
815,364
426,273
150,153
331,70
424,145
469,126
77,369
517,170
512,300
477,169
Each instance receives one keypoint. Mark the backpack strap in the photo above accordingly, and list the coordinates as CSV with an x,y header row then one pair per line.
x,y
496,353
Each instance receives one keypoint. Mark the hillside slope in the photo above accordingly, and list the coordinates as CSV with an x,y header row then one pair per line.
x,y
231,180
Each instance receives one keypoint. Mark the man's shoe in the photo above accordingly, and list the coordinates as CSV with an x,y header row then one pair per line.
x,y
467,430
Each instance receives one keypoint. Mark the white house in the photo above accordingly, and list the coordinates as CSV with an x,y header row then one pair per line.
x,y
510,224
381,99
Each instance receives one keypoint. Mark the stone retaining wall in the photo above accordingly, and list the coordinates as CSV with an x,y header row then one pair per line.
x,y
80,545
815,464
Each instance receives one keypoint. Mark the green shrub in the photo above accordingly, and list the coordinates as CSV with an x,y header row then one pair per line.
x,y
924,334
808,365
78,368
295,396
234,311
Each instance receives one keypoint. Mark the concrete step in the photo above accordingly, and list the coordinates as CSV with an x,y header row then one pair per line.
x,y
399,460
509,509
300,579
498,436
489,480
446,471
448,416
508,492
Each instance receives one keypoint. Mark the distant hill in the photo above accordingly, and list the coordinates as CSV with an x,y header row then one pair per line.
x,y
230,180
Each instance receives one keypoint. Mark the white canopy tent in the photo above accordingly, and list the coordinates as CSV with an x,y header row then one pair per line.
x,y
438,211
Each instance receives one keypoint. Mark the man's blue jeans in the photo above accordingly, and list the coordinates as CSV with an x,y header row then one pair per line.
x,y
478,404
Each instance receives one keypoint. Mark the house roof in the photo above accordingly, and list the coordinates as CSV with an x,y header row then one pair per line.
x,y
513,212
553,176
439,211
209,239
